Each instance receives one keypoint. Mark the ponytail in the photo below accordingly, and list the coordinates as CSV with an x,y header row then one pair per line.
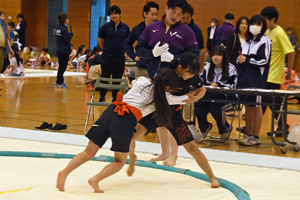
x,y
16,55
163,112
174,63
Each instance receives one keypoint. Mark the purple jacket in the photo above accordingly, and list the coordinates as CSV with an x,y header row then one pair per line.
x,y
222,33
180,38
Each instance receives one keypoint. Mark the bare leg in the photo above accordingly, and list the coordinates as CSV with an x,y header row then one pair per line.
x,y
164,142
140,131
249,120
193,150
108,170
171,161
78,160
258,118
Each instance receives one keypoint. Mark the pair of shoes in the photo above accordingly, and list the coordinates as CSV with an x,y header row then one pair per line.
x,y
249,140
225,136
61,85
197,135
204,134
279,129
59,127
44,126
102,99
242,129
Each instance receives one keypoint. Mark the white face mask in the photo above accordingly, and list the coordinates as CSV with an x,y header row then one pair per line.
x,y
254,29
212,24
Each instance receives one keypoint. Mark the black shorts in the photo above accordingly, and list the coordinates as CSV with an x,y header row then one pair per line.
x,y
179,129
119,128
252,99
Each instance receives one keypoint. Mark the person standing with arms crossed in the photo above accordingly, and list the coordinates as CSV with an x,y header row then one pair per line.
x,y
63,50
111,38
150,11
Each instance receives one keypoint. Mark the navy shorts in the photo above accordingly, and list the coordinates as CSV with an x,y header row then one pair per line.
x,y
119,128
252,99
179,129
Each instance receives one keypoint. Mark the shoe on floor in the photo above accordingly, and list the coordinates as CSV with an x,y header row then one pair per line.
x,y
204,134
249,140
61,85
242,129
102,99
225,136
59,127
44,126
197,135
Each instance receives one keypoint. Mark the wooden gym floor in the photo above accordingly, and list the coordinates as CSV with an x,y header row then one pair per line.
x,y
27,102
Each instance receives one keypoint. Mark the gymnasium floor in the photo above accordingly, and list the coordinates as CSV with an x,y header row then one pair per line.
x,y
26,102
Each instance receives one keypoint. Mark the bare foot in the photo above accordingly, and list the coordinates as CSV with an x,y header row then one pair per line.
x,y
60,182
214,183
130,169
171,161
95,186
161,157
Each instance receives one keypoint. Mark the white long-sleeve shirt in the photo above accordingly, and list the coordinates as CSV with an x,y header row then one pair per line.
x,y
141,94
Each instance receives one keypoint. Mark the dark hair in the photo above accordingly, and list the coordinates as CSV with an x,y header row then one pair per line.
x,y
30,49
97,60
214,19
270,12
23,23
209,53
148,7
163,112
114,9
1,12
20,16
177,3
88,55
219,50
239,21
229,16
62,18
71,45
80,48
12,24
256,19
188,60
45,50
87,51
16,55
96,48
289,29
189,9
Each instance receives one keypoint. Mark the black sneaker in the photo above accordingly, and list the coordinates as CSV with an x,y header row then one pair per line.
x,y
102,99
59,127
242,129
44,126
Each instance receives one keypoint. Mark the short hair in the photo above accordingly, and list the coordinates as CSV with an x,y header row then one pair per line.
x,y
148,6
71,45
270,12
256,19
289,29
177,3
62,18
97,48
1,12
12,24
45,50
229,16
114,9
20,16
97,59
30,49
189,9
238,23
214,19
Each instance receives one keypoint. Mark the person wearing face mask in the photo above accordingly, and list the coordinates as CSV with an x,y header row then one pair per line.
x,y
254,63
235,40
150,12
210,33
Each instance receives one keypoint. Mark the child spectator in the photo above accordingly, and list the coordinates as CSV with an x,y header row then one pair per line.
x,y
73,54
26,56
218,73
96,51
83,59
95,70
14,36
44,59
15,68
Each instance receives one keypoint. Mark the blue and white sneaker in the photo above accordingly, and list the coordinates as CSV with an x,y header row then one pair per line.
x,y
57,85
64,85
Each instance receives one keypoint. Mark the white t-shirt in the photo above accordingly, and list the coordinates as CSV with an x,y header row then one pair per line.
x,y
141,94
73,53
17,69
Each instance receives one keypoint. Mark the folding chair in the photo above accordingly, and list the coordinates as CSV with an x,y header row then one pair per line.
x,y
109,86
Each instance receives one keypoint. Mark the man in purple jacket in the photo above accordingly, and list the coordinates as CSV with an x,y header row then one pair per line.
x,y
223,31
174,37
